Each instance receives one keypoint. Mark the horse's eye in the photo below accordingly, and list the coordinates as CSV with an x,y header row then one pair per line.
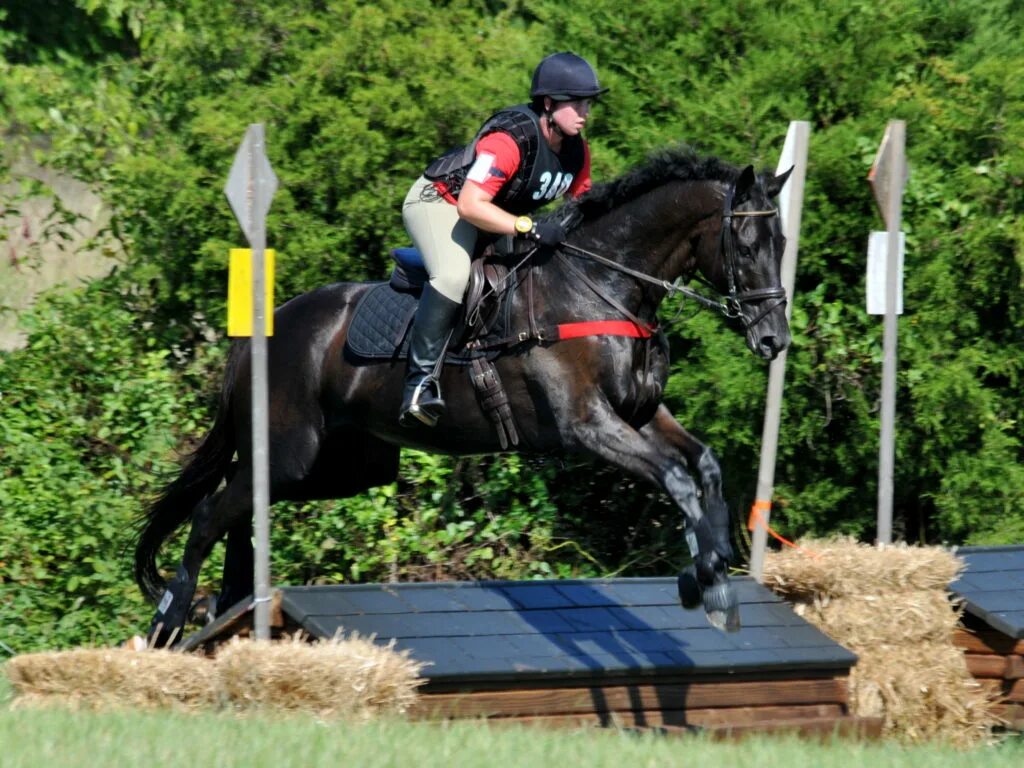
x,y
745,252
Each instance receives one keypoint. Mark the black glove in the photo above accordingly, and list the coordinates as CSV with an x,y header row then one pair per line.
x,y
548,232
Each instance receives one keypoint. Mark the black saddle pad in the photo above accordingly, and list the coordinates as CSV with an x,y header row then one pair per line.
x,y
380,328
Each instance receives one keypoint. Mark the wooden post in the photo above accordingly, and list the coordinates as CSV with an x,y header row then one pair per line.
x,y
791,201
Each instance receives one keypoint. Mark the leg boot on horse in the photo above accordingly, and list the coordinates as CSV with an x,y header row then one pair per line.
x,y
422,402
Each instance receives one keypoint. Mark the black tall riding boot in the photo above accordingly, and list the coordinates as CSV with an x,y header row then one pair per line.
x,y
422,402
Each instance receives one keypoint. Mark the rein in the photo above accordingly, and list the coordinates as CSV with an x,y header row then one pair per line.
x,y
730,305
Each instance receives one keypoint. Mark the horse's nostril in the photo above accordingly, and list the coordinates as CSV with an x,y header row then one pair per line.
x,y
769,346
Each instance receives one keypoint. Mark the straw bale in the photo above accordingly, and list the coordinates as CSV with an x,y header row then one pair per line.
x,y
352,678
113,678
841,566
924,693
890,605
865,621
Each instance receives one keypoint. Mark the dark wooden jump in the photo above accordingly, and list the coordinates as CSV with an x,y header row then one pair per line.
x,y
604,652
992,588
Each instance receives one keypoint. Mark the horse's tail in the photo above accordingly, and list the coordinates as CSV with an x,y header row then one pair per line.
x,y
206,467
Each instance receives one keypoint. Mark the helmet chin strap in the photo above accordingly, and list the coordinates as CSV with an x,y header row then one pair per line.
x,y
550,115
553,126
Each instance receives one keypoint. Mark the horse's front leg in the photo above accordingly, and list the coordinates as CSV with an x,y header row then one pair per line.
x,y
655,454
667,433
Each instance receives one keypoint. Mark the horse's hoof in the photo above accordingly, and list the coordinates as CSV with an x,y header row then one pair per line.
x,y
203,611
722,606
689,588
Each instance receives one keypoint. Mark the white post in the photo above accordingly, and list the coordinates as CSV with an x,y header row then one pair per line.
x,y
794,154
250,187
260,405
893,222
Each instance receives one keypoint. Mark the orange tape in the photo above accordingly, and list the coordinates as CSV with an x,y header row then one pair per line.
x,y
757,513
757,517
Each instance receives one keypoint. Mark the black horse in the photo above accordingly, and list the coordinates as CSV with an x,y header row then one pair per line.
x,y
334,428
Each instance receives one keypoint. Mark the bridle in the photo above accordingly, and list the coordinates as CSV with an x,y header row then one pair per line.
x,y
730,305
727,247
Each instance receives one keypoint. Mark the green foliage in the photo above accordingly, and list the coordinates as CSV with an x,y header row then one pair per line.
x,y
147,100
89,410
471,518
34,31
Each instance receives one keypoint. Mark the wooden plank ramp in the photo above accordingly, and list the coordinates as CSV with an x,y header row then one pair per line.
x,y
992,633
617,653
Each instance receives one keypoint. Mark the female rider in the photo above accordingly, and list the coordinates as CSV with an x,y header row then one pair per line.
x,y
522,157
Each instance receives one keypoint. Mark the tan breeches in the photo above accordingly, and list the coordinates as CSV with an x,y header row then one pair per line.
x,y
445,240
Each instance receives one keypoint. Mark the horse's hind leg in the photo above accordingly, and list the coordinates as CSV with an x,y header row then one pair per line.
x,y
239,562
342,465
348,463
211,519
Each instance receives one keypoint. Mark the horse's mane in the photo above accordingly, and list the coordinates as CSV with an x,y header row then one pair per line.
x,y
677,163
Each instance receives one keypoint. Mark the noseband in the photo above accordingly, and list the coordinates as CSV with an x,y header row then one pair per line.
x,y
730,305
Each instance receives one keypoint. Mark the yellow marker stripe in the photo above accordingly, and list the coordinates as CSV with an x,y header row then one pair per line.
x,y
240,291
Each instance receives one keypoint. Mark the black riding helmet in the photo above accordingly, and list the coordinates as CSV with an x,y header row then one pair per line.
x,y
565,76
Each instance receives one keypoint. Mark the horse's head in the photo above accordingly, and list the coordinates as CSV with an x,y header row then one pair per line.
x,y
743,262
680,213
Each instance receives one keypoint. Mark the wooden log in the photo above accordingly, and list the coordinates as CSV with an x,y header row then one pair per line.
x,y
1014,667
821,726
986,665
649,697
433,686
1012,715
1015,692
847,727
236,621
682,719
992,686
995,667
987,641
1004,690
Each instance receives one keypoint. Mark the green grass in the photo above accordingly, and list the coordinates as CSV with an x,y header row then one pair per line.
x,y
57,738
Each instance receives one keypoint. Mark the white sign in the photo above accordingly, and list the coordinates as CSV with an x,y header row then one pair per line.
x,y
888,174
878,247
251,183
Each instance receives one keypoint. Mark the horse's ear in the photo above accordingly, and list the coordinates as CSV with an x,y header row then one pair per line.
x,y
744,184
776,183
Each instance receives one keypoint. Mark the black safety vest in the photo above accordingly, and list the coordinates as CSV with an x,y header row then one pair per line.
x,y
542,175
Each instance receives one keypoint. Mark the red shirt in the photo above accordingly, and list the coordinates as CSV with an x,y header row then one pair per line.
x,y
497,160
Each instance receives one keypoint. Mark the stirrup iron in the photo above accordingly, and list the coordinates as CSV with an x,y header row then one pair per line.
x,y
429,415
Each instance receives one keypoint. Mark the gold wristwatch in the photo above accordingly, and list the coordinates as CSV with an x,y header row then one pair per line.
x,y
524,225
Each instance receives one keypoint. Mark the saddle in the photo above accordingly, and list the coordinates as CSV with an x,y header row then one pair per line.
x,y
383,317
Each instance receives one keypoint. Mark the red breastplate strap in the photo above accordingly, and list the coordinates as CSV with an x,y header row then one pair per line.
x,y
604,328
